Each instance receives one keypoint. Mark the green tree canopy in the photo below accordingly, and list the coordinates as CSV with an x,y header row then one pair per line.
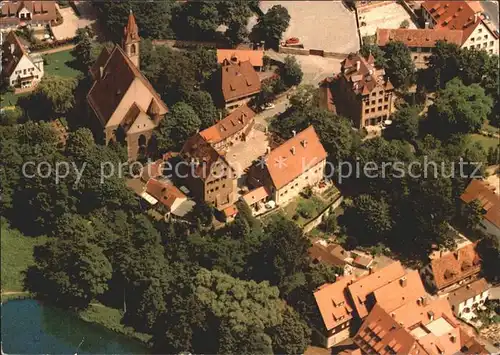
x,y
400,67
405,123
291,72
459,108
271,26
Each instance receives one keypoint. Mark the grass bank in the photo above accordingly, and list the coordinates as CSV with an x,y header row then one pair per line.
x,y
61,64
111,318
17,256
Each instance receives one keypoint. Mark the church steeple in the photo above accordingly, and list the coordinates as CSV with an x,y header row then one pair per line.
x,y
131,39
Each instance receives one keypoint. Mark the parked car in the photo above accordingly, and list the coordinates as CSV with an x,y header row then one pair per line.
x,y
268,106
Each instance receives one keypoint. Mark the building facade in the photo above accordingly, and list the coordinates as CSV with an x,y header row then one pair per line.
x,y
123,100
20,69
468,297
362,92
36,13
466,16
290,168
421,42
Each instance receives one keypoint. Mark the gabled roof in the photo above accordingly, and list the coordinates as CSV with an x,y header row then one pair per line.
x,y
452,267
400,291
332,254
241,55
455,15
363,75
255,195
198,151
418,37
239,80
165,192
294,157
100,62
108,91
333,302
489,200
13,51
229,125
469,291
366,285
41,10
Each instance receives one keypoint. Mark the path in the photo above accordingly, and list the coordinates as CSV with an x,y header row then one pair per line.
x,y
55,50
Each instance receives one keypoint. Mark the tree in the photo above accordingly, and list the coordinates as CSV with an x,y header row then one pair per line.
x,y
10,117
69,272
204,61
291,72
114,14
292,335
443,64
376,51
83,49
404,24
400,67
405,123
53,97
196,20
459,108
80,144
304,97
473,214
271,26
182,121
204,107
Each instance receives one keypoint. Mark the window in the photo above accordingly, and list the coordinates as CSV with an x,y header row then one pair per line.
x,y
471,47
367,110
472,39
379,101
381,92
478,45
492,43
480,30
373,102
485,45
485,37
415,57
386,107
379,108
491,51
374,93
223,185
373,109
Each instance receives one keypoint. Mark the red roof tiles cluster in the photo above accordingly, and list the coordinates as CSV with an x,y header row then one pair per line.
x,y
363,75
165,192
489,200
229,125
40,11
294,157
423,38
452,267
239,80
256,57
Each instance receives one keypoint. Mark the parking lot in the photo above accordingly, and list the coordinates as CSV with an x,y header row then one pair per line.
x,y
319,25
388,16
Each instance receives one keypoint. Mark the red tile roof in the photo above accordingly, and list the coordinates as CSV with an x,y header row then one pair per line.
x,y
333,254
101,60
164,192
40,10
241,55
239,80
366,285
363,75
418,37
255,195
469,291
452,267
489,200
455,15
229,125
400,291
130,31
107,92
294,157
333,302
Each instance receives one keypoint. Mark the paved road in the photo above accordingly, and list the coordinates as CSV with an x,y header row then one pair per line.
x,y
263,117
491,8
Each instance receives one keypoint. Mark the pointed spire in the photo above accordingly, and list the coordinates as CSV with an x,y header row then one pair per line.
x,y
131,31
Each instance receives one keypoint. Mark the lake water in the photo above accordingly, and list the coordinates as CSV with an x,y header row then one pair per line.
x,y
30,327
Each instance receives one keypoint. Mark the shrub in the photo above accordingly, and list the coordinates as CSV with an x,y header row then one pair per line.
x,y
306,209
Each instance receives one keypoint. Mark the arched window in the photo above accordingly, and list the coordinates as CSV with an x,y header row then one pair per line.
x,y
132,49
142,140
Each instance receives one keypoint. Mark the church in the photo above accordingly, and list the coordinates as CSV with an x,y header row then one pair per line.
x,y
123,100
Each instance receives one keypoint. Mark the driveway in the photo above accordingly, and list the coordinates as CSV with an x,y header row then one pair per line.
x,y
490,7
72,22
387,16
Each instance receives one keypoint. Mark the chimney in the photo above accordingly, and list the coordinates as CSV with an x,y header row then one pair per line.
x,y
425,301
431,315
293,150
101,72
294,133
453,339
370,270
476,17
268,150
12,48
403,282
358,65
304,143
426,24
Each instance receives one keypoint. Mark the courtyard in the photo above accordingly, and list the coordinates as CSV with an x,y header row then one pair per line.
x,y
241,155
72,21
320,25
388,16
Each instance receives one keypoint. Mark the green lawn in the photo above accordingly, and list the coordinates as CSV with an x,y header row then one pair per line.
x,y
110,318
296,209
60,63
486,142
17,255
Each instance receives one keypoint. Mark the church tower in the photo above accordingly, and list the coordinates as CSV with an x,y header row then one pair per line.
x,y
131,39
